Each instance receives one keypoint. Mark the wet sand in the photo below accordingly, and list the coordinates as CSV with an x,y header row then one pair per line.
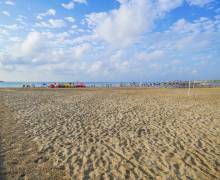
x,y
109,134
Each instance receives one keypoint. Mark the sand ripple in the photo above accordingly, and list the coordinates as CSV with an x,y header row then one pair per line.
x,y
111,134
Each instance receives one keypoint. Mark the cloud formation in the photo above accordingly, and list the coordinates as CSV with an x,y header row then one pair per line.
x,y
123,26
51,23
124,43
71,4
11,3
199,2
50,12
6,13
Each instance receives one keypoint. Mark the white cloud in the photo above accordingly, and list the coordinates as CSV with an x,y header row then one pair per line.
x,y
81,49
118,55
95,68
15,39
21,19
84,53
35,49
85,38
47,49
200,25
3,32
10,27
6,13
31,43
56,23
150,56
199,2
24,52
69,5
11,3
52,23
190,43
74,26
62,37
70,19
167,5
50,12
183,36
122,27
81,1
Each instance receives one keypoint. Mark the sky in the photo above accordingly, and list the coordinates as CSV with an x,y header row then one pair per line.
x,y
111,40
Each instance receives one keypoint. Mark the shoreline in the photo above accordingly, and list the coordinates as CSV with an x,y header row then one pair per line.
x,y
168,84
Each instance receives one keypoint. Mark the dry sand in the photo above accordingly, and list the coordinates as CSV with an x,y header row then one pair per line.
x,y
110,134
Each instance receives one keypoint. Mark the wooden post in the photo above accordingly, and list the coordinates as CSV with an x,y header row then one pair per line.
x,y
189,89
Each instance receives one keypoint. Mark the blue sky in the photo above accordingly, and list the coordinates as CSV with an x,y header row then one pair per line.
x,y
114,40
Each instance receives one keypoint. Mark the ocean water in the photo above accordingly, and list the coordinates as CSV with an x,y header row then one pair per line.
x,y
19,84
45,84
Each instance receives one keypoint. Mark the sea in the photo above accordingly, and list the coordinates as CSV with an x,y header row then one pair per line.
x,y
45,84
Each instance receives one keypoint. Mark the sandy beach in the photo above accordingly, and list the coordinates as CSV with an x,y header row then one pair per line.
x,y
109,134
